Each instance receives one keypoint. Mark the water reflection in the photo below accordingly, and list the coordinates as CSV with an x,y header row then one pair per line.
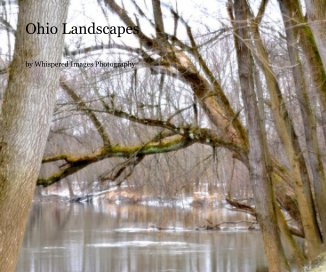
x,y
103,237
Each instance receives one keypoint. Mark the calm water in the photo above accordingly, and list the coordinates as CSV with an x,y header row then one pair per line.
x,y
120,238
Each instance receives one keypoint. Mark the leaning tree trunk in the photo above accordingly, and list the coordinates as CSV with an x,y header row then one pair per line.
x,y
26,116
316,11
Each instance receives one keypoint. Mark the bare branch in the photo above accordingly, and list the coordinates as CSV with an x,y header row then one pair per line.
x,y
82,106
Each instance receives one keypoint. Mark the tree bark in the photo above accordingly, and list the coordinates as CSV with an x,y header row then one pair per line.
x,y
285,129
26,117
259,161
309,121
307,42
316,11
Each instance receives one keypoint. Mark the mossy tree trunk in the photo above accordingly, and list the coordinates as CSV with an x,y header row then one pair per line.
x,y
316,11
285,130
314,157
307,42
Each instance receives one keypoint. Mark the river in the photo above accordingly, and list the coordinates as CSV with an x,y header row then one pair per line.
x,y
119,238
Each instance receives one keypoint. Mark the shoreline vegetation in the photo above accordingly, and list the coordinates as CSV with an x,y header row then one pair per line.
x,y
209,204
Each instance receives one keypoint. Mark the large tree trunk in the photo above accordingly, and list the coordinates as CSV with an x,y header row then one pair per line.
x,y
26,117
285,130
259,161
306,41
316,11
309,122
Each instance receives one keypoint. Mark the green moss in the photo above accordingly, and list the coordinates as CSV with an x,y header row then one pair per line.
x,y
151,148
